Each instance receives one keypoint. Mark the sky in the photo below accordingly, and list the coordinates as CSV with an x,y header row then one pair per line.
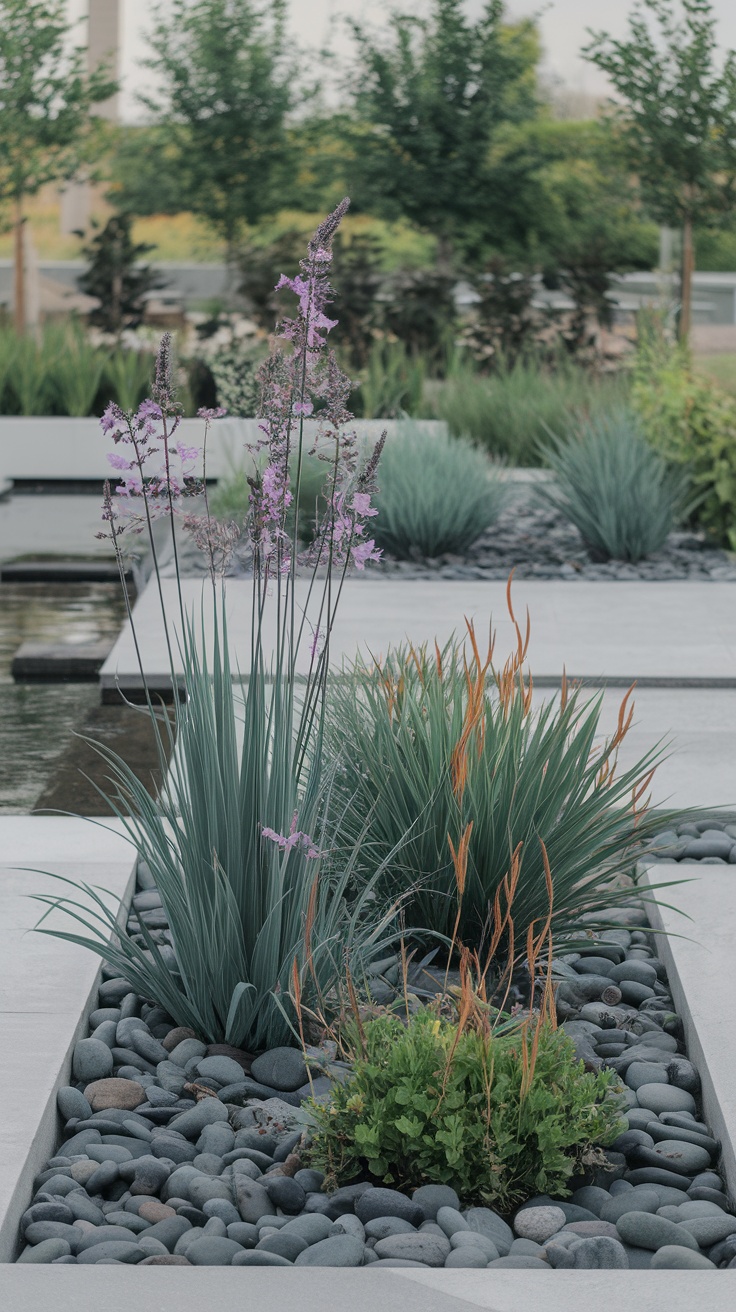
x,y
563,25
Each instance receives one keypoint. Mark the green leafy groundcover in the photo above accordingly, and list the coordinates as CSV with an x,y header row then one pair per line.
x,y
423,1105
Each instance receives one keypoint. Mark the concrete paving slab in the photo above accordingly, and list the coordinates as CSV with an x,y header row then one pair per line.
x,y
701,963
46,989
674,633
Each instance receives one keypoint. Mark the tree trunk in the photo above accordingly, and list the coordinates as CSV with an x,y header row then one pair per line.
x,y
19,284
686,282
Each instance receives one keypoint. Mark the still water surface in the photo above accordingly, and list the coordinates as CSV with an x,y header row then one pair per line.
x,y
38,719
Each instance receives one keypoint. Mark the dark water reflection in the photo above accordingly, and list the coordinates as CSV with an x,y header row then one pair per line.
x,y
37,720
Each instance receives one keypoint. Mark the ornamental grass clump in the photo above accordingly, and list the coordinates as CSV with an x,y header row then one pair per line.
x,y
450,772
437,494
260,926
498,1110
621,494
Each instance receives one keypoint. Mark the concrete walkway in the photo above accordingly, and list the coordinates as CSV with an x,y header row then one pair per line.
x,y
675,633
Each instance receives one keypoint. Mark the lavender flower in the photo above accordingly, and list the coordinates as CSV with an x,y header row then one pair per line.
x,y
294,838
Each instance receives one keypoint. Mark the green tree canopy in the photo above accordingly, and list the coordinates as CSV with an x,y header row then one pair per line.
x,y
224,87
428,99
46,131
676,114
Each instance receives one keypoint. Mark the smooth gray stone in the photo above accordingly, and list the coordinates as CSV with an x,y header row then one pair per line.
x,y
591,1198
350,1225
710,1196
261,1142
431,1197
429,1249
463,1258
108,1152
177,1150
191,1123
49,1250
112,991
471,1239
665,1098
105,1176
243,1234
256,1257
633,1200
83,1209
659,1133
214,1225
217,1138
640,1073
288,1245
47,1212
687,1158
519,1263
126,1028
212,1250
389,1202
644,1230
203,1188
338,1250
251,1199
708,1230
38,1231
451,1220
127,1219
184,1051
220,1068
676,1258
72,1103
148,1047
102,1014
285,1194
599,1253
169,1231
383,1226
281,1068
659,1176
92,1060
637,972
223,1209
171,1077
489,1223
312,1227
117,1248
106,1234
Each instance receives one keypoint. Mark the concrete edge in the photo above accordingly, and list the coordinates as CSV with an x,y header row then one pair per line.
x,y
667,946
45,1138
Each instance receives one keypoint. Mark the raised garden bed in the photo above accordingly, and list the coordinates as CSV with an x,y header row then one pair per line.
x,y
173,1153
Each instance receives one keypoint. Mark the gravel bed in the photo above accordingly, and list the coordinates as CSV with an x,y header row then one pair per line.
x,y
541,544
177,1153
536,542
711,842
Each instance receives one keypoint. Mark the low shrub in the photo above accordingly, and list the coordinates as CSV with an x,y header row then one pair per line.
x,y
437,494
622,496
391,384
508,411
445,750
691,422
433,1102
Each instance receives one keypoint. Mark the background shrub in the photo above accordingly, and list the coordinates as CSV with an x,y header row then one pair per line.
x,y
428,1104
508,411
622,496
436,494
693,423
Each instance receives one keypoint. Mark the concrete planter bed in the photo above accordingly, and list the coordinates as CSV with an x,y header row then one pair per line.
x,y
660,1201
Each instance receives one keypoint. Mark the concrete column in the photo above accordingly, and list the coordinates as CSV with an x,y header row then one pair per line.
x,y
103,46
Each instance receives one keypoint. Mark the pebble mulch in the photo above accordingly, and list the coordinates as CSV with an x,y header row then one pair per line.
x,y
173,1152
711,842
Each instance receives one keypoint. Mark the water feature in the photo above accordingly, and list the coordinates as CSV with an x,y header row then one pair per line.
x,y
37,720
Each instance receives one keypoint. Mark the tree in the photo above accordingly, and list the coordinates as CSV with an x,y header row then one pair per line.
x,y
571,212
428,102
46,130
117,276
225,86
677,118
